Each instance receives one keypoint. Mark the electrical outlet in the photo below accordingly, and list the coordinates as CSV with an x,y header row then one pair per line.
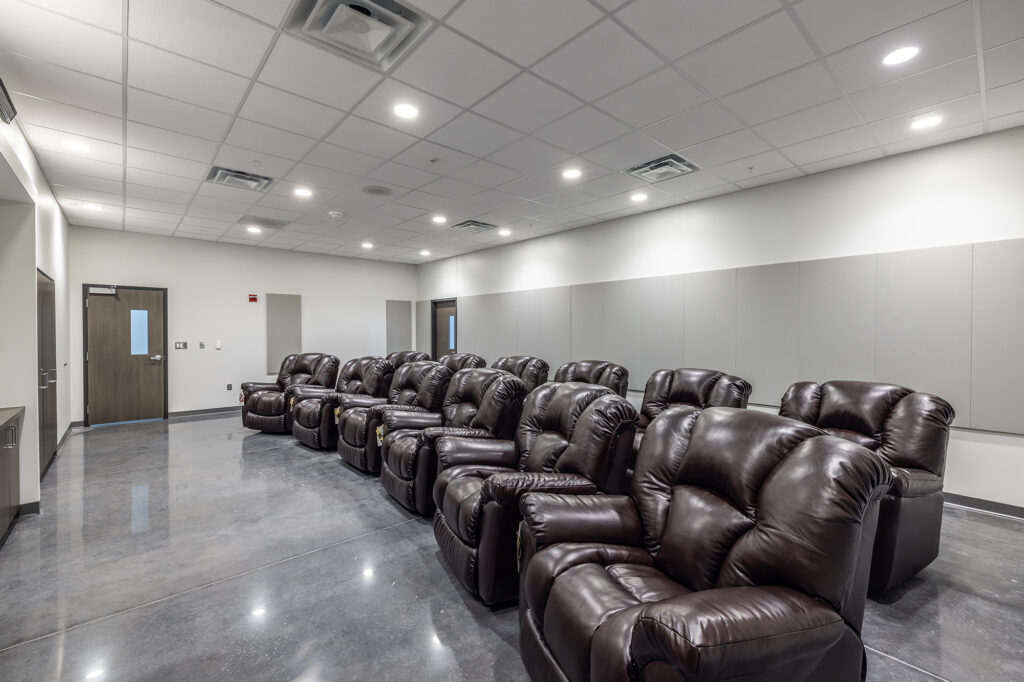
x,y
202,345
180,345
229,387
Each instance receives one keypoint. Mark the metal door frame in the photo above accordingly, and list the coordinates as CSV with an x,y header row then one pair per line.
x,y
85,342
433,324
39,411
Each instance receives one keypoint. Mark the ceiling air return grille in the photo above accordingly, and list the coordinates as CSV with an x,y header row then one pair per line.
x,y
665,168
473,226
375,32
239,179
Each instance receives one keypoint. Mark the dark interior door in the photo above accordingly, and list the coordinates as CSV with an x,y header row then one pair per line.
x,y
125,354
46,321
445,327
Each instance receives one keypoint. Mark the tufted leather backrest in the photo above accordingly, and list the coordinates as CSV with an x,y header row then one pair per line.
x,y
695,387
483,398
317,369
732,497
370,375
420,384
400,357
457,361
615,377
533,371
577,428
907,428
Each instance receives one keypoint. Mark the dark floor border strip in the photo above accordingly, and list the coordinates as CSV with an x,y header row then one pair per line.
x,y
984,505
209,410
28,509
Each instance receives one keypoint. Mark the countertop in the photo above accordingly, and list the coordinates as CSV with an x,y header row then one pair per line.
x,y
9,413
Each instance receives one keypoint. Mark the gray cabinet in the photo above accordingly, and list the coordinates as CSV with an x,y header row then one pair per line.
x,y
10,488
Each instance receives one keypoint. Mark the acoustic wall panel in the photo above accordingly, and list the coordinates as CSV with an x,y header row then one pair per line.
x,y
710,335
468,321
284,328
399,325
998,337
767,329
837,319
643,325
503,313
423,326
587,323
923,323
544,324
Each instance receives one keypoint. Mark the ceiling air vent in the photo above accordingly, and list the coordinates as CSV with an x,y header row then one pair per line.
x,y
665,168
473,226
375,32
7,110
239,179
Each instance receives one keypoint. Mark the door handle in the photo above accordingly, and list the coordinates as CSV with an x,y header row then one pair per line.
x,y
157,358
14,438
52,373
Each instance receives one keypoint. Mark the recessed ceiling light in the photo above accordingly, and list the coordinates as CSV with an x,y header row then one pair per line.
x,y
367,245
253,229
424,252
259,612
929,120
571,173
406,111
504,232
94,674
638,197
440,219
77,146
303,192
904,54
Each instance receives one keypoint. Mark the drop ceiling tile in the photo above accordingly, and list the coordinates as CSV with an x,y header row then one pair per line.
x,y
765,49
260,211
309,71
615,183
75,195
677,27
267,11
370,138
1008,121
495,199
58,141
341,159
486,174
529,155
653,98
158,194
743,170
434,158
827,146
252,161
1006,100
422,200
269,140
436,8
1001,21
379,107
454,69
939,137
139,176
173,76
726,148
451,188
942,38
403,176
529,187
305,174
921,90
154,228
170,143
627,151
86,182
474,135
701,123
400,211
581,130
689,184
835,24
39,79
105,14
798,89
167,207
58,116
813,122
603,59
80,165
284,110
1004,64
53,38
770,178
172,114
526,103
954,115
382,220
567,198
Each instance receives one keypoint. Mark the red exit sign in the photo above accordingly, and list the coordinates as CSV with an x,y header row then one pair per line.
x,y
253,298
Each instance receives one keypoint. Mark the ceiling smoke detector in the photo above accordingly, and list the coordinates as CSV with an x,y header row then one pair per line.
x,y
375,32
377,190
665,168
473,226
335,215
238,179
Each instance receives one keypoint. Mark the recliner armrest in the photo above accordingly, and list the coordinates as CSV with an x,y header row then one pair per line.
x,y
489,452
430,436
393,420
506,489
299,392
552,518
726,632
347,401
250,387
377,411
908,482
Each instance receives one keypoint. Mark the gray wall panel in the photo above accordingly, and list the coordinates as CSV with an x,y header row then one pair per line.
x,y
503,310
423,326
468,319
837,319
710,334
998,337
544,324
284,328
923,323
587,323
399,325
767,329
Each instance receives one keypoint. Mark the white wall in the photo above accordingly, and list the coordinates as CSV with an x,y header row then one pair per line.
x,y
208,283
961,193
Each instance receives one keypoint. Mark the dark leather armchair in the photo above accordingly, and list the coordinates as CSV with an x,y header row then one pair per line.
x,y
615,377
400,357
736,556
264,405
533,371
459,361
313,407
416,387
480,403
572,438
909,430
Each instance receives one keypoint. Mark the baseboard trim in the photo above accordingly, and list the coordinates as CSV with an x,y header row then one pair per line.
x,y
984,505
75,425
210,410
28,509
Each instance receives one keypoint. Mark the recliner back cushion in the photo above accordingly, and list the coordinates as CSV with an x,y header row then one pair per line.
x,y
370,375
615,377
420,384
325,371
696,387
572,428
400,357
458,361
533,371
286,370
484,399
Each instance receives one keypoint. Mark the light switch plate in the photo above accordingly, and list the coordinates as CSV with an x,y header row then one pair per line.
x,y
202,345
180,345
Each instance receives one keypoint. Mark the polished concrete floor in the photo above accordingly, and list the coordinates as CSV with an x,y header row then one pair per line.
x,y
198,550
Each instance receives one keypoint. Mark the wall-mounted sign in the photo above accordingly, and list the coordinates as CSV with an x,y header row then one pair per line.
x,y
253,298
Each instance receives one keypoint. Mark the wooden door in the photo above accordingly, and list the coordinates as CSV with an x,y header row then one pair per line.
x,y
445,327
125,354
46,354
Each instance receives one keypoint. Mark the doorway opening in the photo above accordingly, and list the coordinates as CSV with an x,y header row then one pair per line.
x,y
444,327
46,355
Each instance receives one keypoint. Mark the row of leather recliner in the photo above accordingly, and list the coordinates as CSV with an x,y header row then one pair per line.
x,y
692,540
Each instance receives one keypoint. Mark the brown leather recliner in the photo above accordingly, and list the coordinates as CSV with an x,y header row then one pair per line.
x,y
312,407
264,405
533,371
480,403
459,361
736,556
909,430
601,372
416,387
400,357
571,438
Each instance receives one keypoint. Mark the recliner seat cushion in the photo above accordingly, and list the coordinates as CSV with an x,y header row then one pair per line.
x,y
266,403
354,426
